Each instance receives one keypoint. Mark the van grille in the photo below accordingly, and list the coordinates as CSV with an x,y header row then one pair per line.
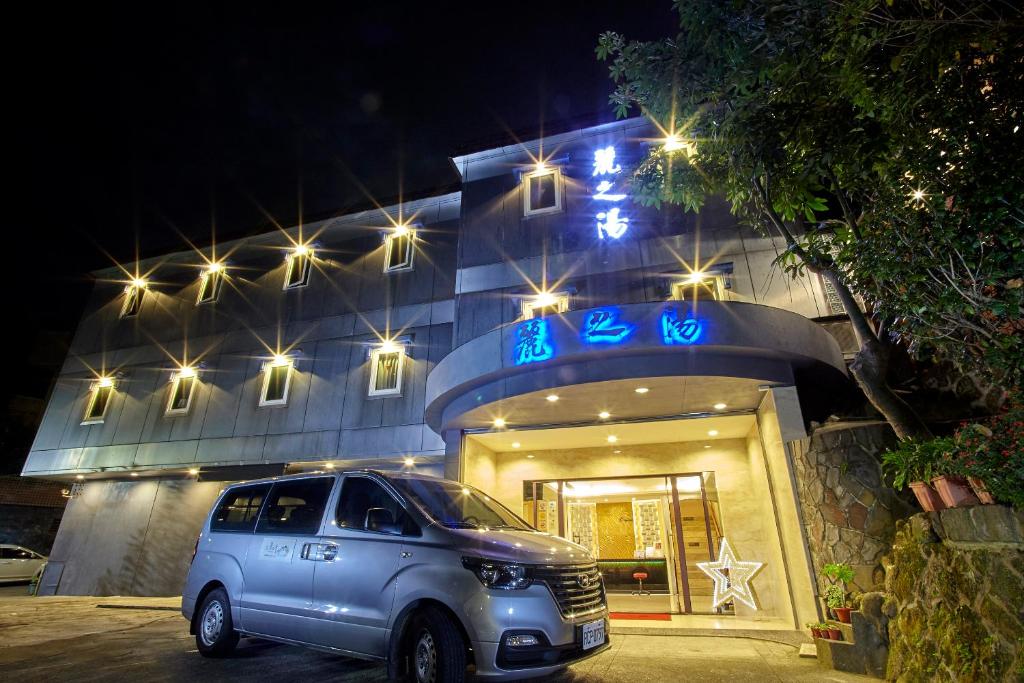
x,y
572,598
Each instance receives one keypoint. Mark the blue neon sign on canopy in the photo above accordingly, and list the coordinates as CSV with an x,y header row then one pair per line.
x,y
604,327
532,342
675,331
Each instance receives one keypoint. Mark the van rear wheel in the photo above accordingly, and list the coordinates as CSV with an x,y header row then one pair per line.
x,y
436,652
215,631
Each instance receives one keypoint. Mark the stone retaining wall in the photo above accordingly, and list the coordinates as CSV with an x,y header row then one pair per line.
x,y
955,596
849,515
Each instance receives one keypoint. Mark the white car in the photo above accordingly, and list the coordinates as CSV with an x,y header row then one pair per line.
x,y
19,564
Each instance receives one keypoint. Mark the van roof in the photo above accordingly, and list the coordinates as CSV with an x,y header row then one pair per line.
x,y
319,473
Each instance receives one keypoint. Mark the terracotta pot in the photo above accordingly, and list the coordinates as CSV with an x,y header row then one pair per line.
x,y
816,632
835,634
844,614
981,491
926,496
954,491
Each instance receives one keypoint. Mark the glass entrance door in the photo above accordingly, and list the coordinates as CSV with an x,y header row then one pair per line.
x,y
647,534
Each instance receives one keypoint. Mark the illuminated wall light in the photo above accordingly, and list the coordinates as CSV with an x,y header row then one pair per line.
x,y
388,346
300,250
400,230
551,398
193,471
499,422
105,382
641,390
215,267
516,444
135,474
612,438
604,415
720,406
139,283
187,371
712,432
329,465
409,462
530,456
79,476
279,360
673,143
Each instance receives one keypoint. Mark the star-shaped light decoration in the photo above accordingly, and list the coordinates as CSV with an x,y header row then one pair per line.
x,y
732,577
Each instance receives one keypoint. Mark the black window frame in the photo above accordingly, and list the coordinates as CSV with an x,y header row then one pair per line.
x,y
266,530
410,527
233,490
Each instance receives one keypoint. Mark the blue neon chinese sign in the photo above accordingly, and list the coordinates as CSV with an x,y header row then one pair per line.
x,y
532,342
676,331
604,327
610,221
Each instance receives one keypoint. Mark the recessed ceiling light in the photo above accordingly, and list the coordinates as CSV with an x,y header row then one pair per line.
x,y
499,422
604,415
409,462
641,390
135,474
329,465
616,451
79,476
516,444
712,432
720,406
193,471
612,438
707,445
531,456
551,397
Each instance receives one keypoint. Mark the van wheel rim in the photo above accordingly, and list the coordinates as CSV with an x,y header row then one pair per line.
x,y
426,658
213,622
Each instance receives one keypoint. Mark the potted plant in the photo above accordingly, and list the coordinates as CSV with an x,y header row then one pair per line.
x,y
815,629
835,599
834,633
991,455
912,463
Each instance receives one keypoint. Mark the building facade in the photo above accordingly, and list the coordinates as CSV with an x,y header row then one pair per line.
x,y
626,377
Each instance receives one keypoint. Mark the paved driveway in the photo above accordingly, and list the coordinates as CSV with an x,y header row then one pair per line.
x,y
45,639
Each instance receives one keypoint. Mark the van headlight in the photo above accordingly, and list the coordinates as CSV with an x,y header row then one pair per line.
x,y
497,574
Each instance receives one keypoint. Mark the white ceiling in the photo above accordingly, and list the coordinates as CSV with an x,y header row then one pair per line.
x,y
627,434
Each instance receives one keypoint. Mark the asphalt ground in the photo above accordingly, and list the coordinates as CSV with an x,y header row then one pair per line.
x,y
47,639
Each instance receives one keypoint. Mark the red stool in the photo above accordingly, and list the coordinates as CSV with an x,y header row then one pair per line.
x,y
640,576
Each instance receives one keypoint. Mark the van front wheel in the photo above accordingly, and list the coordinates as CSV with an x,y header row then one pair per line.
x,y
436,652
215,632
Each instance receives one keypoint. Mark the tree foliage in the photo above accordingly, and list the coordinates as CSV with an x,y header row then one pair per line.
x,y
880,138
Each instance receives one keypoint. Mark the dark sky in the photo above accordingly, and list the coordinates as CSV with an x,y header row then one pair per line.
x,y
132,122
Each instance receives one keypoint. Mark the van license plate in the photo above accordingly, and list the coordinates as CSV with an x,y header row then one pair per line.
x,y
593,634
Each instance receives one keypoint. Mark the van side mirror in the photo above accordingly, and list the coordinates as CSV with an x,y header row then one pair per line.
x,y
381,520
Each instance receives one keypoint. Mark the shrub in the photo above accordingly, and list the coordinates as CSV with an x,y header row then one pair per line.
x,y
993,451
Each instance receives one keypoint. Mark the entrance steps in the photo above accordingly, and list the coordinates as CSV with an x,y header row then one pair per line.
x,y
859,651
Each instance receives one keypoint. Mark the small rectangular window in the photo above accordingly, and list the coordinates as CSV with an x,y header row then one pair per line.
x,y
99,400
386,364
277,376
209,287
295,507
543,305
182,387
542,192
297,272
705,287
398,250
238,509
132,301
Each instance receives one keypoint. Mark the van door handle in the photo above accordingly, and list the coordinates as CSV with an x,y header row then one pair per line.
x,y
319,552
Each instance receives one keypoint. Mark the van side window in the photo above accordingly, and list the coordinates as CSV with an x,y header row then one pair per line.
x,y
295,507
238,508
360,495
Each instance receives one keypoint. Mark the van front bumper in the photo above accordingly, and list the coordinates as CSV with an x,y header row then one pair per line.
x,y
496,661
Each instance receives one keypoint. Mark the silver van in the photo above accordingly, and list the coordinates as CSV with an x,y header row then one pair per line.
x,y
431,576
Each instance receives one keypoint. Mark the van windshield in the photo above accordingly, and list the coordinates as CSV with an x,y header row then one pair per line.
x,y
457,506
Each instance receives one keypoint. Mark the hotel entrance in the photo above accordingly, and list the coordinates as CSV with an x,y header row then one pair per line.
x,y
647,532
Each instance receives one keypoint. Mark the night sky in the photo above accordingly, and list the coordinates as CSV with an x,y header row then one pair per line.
x,y
133,124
